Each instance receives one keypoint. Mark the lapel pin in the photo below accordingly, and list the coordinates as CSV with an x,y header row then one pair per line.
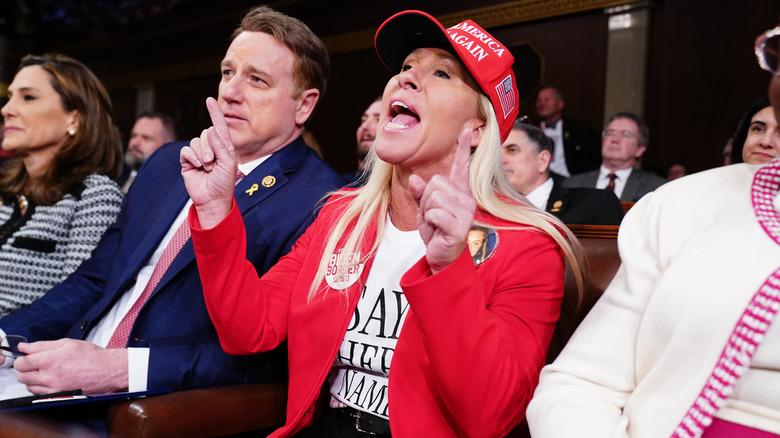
x,y
268,181
557,206
251,191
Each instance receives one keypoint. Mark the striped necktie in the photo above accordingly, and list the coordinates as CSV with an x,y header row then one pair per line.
x,y
122,333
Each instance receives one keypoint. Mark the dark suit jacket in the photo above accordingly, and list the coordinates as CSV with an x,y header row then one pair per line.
x,y
581,146
584,205
174,324
639,183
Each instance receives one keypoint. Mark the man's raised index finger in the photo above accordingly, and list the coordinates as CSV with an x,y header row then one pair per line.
x,y
218,120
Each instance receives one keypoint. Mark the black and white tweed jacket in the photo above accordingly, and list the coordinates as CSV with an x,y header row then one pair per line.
x,y
54,241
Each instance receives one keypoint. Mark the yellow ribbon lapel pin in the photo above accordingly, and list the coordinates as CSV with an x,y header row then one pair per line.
x,y
268,181
251,191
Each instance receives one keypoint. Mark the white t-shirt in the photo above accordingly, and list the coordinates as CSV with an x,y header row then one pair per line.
x,y
359,378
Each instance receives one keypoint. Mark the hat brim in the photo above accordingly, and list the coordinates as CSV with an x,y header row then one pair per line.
x,y
405,32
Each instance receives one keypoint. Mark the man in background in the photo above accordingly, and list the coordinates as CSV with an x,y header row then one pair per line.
x,y
366,133
526,156
624,140
675,171
576,142
151,130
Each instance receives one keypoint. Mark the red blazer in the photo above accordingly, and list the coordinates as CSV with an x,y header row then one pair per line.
x,y
469,353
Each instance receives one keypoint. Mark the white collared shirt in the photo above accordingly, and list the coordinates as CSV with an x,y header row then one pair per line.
x,y
138,358
540,195
620,181
558,161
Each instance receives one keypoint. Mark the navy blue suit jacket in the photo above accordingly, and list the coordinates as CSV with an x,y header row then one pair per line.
x,y
174,324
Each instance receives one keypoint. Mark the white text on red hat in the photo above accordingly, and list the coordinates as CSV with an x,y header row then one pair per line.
x,y
478,51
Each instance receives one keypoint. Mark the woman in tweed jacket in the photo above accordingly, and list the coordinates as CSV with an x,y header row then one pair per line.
x,y
58,196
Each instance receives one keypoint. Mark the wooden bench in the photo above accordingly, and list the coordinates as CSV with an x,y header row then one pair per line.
x,y
600,245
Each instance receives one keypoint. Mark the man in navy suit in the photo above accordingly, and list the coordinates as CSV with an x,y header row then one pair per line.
x,y
576,142
526,155
269,88
624,140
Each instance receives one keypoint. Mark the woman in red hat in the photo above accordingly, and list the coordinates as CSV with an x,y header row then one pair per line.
x,y
380,300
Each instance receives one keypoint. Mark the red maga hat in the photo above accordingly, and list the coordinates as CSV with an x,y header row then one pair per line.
x,y
488,61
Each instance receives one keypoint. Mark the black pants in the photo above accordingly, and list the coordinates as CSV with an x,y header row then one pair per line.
x,y
334,423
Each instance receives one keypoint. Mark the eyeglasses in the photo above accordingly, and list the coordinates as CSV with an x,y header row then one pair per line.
x,y
614,133
767,47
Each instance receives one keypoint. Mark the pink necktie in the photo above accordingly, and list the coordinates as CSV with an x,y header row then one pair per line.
x,y
122,333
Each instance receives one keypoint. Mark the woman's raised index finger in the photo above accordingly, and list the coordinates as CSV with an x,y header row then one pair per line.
x,y
459,174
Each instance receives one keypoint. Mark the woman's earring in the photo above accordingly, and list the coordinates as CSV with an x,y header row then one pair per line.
x,y
71,132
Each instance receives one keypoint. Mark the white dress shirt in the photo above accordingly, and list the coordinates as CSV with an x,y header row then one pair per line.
x,y
620,181
558,161
540,195
138,358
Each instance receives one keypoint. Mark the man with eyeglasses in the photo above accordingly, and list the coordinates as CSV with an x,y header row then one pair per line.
x,y
623,141
684,342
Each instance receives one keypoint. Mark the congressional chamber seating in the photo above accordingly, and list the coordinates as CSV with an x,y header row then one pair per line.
x,y
600,245
237,409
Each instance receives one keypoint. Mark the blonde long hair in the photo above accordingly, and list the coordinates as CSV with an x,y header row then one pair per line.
x,y
488,184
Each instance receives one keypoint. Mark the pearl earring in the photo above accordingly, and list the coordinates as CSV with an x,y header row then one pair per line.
x,y
71,132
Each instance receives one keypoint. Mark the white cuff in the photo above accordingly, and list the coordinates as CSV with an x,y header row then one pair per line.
x,y
9,361
137,369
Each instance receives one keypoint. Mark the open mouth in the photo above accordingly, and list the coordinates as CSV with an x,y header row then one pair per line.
x,y
401,116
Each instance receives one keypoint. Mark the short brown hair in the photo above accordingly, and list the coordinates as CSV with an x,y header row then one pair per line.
x,y
169,125
94,149
643,136
311,67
